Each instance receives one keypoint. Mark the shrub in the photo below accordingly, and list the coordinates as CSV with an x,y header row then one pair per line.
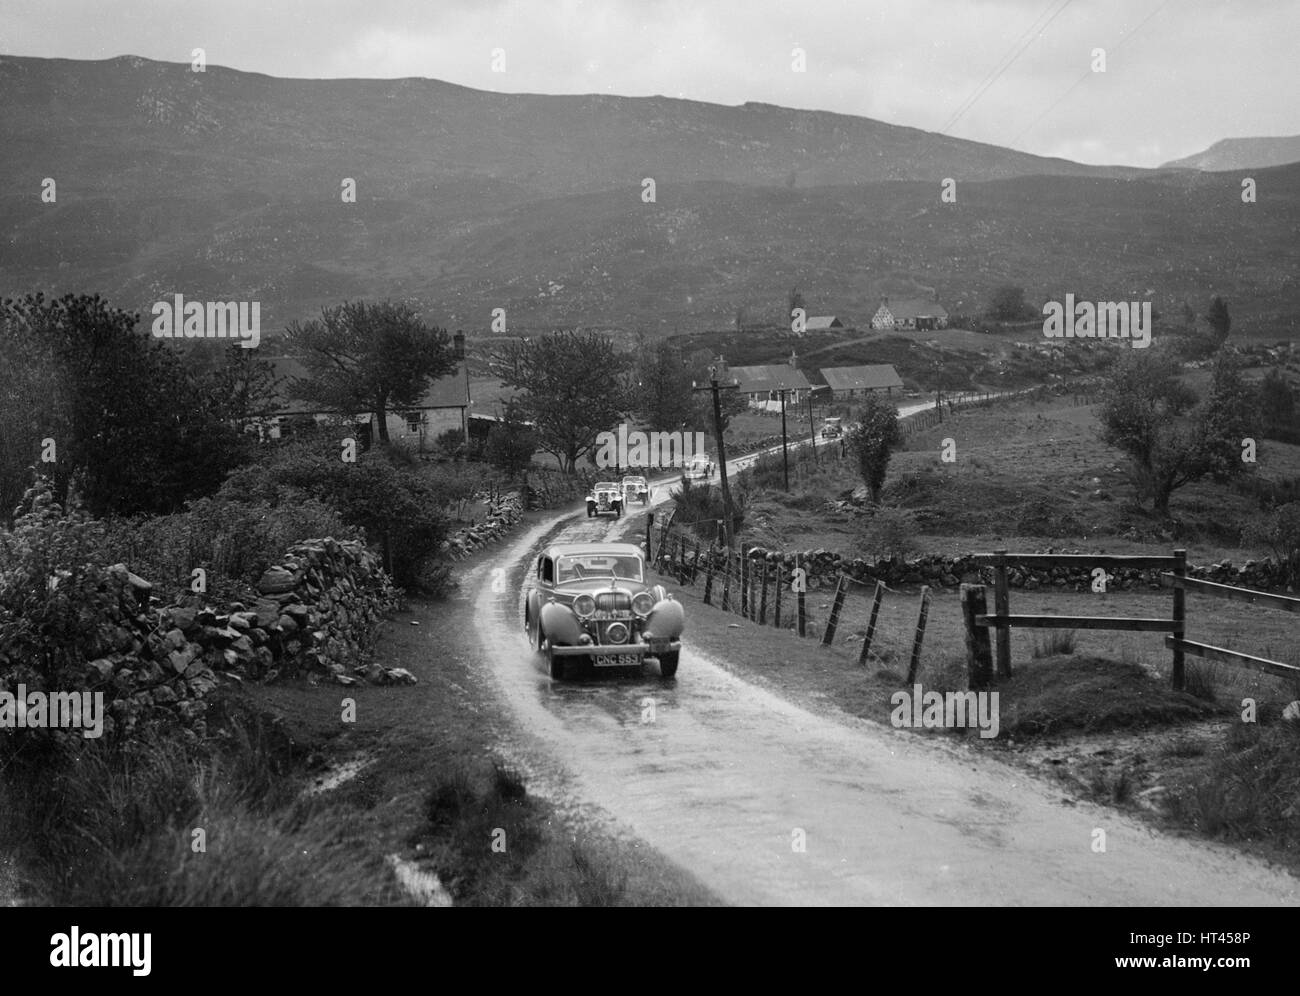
x,y
233,541
890,532
1279,531
400,508
700,507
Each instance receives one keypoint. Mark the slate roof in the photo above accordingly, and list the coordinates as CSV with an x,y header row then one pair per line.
x,y
863,378
761,379
915,308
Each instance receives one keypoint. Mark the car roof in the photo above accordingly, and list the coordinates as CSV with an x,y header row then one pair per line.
x,y
606,549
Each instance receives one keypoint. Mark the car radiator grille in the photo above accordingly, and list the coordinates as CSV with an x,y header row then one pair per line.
x,y
613,601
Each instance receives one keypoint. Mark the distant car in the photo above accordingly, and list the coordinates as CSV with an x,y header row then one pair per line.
x,y
635,489
605,497
592,601
832,428
700,468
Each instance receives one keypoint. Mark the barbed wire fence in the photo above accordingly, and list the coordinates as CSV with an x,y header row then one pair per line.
x,y
887,624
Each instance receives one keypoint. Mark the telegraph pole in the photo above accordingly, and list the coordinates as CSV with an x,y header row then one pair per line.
x,y
785,455
812,428
713,385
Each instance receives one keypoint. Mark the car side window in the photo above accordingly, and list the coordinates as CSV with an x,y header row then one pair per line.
x,y
546,570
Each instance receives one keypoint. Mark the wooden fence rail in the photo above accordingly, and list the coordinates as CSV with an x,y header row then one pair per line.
x,y
1180,644
1002,621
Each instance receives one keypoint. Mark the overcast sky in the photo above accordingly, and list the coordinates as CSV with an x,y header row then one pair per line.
x,y
1179,74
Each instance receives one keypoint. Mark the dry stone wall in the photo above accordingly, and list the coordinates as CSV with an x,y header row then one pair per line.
x,y
316,613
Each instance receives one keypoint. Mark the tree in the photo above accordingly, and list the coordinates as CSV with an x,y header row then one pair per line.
x,y
1219,319
511,443
1229,416
1148,414
138,428
795,301
573,387
662,387
873,440
1276,404
1007,304
364,357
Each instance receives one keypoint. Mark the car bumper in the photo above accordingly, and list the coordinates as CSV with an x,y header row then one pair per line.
x,y
652,649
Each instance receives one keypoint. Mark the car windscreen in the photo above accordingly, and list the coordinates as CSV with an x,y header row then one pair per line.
x,y
581,566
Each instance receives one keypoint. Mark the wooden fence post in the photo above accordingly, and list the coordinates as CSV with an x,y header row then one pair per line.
x,y
1002,607
920,635
726,581
708,579
834,620
800,598
1180,616
979,654
695,563
762,598
744,582
776,594
871,623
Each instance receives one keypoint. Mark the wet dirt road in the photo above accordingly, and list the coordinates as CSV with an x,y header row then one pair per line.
x,y
729,780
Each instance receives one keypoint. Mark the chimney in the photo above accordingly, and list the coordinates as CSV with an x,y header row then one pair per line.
x,y
793,364
884,301
458,344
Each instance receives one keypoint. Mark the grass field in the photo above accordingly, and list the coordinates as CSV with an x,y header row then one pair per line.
x,y
1027,475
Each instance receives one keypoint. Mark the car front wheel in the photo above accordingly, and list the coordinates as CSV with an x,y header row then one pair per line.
x,y
554,662
590,511
668,664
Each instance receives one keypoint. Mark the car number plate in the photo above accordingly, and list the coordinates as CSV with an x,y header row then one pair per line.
x,y
617,660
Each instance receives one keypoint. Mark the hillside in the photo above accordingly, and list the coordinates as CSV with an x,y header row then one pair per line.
x,y
1242,153
227,185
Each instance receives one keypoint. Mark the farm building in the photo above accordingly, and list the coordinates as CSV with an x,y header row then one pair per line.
x,y
913,313
848,382
823,323
762,385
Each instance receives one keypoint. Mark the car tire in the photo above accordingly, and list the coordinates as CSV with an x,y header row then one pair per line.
x,y
668,664
590,512
554,662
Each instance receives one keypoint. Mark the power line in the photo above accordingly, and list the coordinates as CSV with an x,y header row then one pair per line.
x,y
1019,47
1088,72
988,78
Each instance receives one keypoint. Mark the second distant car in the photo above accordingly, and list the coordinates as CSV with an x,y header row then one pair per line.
x,y
635,489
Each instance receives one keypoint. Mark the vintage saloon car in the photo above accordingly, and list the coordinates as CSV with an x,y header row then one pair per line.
x,y
605,497
593,601
635,489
